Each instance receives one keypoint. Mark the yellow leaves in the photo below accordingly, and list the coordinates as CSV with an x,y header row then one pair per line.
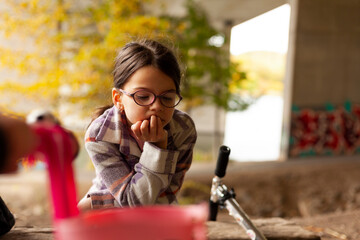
x,y
59,13
41,86
241,85
20,90
32,18
31,6
126,8
67,52
23,62
47,85
7,24
7,58
123,30
22,26
181,27
24,5
236,77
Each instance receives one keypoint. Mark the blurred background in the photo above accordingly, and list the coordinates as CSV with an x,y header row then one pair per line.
x,y
275,80
270,79
58,55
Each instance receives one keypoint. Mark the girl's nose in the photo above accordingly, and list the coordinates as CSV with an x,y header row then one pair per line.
x,y
156,105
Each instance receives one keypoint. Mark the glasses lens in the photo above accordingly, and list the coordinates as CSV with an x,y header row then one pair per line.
x,y
170,99
144,98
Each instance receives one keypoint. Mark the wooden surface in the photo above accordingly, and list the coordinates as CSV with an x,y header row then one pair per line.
x,y
29,233
273,228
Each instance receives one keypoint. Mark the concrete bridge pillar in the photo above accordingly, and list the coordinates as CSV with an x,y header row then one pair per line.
x,y
322,85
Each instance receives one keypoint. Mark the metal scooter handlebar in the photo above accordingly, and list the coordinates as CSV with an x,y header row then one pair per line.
x,y
222,161
220,170
220,195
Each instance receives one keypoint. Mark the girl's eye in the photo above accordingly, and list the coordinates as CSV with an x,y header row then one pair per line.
x,y
143,97
167,98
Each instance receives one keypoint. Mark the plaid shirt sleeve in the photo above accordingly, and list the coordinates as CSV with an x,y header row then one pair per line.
x,y
185,143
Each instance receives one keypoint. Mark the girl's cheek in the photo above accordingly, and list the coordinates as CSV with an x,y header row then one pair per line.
x,y
134,116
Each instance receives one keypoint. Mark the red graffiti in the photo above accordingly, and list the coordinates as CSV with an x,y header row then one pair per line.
x,y
320,132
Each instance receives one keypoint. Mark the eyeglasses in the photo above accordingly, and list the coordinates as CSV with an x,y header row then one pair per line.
x,y
168,99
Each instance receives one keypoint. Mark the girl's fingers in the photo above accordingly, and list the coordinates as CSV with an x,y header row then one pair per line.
x,y
159,128
153,127
136,129
149,130
144,128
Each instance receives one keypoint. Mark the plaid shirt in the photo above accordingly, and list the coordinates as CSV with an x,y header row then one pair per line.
x,y
127,175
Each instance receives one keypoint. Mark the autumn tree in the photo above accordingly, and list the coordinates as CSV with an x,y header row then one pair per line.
x,y
66,51
68,48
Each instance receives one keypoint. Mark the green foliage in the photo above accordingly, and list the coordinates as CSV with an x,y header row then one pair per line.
x,y
202,156
208,70
194,193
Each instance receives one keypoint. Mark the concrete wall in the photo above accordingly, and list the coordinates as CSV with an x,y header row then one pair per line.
x,y
327,58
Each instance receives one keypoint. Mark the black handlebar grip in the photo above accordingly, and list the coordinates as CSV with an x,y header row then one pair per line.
x,y
213,210
222,161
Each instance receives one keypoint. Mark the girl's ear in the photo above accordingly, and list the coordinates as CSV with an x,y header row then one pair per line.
x,y
116,97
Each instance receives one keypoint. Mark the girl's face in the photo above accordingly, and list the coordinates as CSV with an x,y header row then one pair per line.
x,y
151,79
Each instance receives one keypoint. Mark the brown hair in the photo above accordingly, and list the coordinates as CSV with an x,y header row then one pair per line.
x,y
138,54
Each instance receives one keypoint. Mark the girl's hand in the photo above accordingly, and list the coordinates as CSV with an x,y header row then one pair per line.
x,y
151,131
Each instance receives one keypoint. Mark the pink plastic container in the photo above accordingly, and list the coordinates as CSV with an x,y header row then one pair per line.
x,y
155,222
55,148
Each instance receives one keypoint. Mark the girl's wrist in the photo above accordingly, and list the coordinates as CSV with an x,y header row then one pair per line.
x,y
163,143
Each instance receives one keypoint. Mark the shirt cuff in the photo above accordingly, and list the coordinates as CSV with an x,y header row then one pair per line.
x,y
158,160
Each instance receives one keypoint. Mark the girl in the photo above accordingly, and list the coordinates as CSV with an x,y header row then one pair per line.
x,y
142,146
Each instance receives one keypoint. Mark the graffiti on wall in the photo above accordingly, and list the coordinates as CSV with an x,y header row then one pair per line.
x,y
328,131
